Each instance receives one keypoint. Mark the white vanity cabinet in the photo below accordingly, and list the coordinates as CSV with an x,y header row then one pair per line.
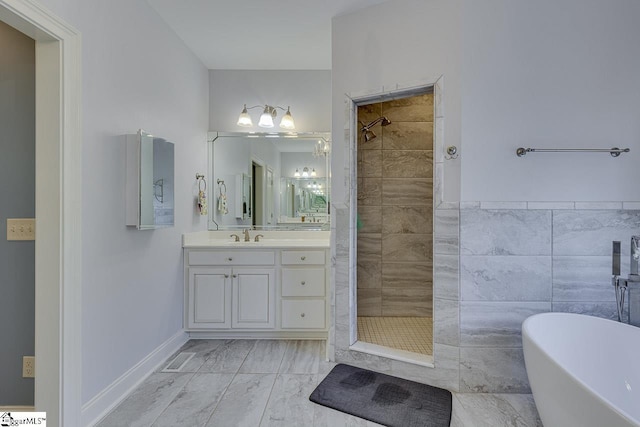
x,y
223,292
303,289
256,292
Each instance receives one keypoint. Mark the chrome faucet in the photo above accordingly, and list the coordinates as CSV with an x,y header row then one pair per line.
x,y
257,238
236,237
247,238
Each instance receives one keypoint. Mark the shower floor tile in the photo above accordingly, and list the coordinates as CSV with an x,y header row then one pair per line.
x,y
413,334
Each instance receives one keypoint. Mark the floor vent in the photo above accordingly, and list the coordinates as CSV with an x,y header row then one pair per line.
x,y
178,362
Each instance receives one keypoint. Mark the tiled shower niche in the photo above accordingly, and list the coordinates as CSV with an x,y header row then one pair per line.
x,y
395,220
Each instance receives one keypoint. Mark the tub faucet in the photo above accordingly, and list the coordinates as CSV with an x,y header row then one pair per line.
x,y
627,290
247,238
635,256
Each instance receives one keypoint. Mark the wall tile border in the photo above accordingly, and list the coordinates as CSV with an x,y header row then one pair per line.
x,y
556,205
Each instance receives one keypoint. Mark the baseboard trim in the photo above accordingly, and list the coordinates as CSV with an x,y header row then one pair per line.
x,y
95,409
18,408
261,335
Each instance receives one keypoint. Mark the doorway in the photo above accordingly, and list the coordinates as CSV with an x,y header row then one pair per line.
x,y
395,223
17,166
58,248
257,196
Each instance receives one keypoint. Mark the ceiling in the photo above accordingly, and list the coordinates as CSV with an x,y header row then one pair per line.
x,y
257,34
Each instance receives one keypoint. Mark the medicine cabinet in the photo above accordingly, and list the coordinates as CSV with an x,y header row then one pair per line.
x,y
149,181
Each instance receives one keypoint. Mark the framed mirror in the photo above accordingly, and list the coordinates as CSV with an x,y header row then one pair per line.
x,y
269,181
149,181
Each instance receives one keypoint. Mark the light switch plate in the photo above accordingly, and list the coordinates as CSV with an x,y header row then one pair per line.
x,y
21,229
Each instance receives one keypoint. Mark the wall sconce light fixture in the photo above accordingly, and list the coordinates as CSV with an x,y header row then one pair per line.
x,y
266,119
305,173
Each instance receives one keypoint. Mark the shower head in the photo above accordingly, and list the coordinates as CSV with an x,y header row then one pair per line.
x,y
369,135
383,119
366,129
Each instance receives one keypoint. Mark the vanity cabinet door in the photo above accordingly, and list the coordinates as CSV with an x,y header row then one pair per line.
x,y
253,298
209,298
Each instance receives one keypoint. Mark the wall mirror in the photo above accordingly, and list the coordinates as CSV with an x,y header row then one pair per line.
x,y
149,180
275,181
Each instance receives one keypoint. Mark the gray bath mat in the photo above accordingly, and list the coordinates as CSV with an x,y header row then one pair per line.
x,y
383,399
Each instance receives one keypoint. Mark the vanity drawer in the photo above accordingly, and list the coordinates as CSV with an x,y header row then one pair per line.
x,y
303,282
231,258
303,257
303,314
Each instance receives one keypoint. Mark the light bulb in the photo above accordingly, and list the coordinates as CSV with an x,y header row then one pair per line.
x,y
287,121
313,172
244,119
297,173
266,120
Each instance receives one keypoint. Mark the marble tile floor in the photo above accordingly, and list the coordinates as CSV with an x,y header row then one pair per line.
x,y
267,383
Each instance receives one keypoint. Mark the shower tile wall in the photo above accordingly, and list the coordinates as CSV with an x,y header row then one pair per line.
x,y
518,262
395,202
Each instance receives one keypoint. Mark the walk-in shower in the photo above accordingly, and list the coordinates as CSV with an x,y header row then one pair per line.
x,y
395,224
367,133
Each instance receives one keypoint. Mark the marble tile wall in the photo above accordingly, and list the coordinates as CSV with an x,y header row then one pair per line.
x,y
519,259
395,199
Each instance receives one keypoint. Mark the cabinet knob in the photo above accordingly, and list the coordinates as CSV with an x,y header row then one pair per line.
x,y
303,258
230,259
302,315
226,276
303,283
234,275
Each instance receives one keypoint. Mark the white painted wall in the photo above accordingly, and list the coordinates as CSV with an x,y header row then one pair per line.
x,y
136,74
397,42
308,92
550,74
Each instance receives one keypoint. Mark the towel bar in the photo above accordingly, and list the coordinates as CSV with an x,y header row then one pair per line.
x,y
615,151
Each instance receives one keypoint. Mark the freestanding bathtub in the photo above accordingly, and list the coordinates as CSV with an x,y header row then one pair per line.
x,y
584,371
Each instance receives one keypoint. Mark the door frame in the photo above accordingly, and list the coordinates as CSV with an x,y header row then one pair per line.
x,y
58,253
258,189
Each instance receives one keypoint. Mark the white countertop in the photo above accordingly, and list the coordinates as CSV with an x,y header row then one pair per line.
x,y
271,239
